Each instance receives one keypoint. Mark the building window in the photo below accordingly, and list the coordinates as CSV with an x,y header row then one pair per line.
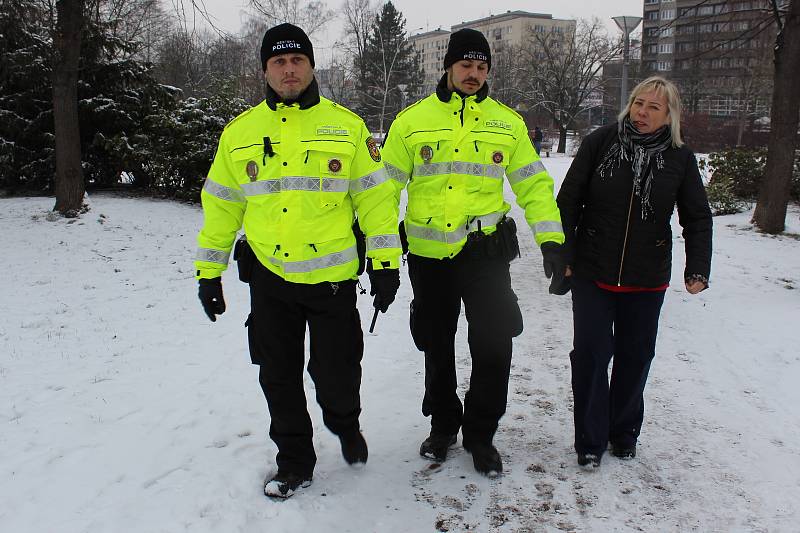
x,y
663,66
668,32
667,14
651,15
665,48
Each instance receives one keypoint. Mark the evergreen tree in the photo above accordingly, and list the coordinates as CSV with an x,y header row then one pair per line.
x,y
393,74
26,120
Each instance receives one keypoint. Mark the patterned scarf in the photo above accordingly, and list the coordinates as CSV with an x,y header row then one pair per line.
x,y
638,148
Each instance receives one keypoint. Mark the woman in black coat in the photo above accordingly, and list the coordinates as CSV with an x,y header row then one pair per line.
x,y
616,204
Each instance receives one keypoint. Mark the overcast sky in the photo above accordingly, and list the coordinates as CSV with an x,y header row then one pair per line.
x,y
430,14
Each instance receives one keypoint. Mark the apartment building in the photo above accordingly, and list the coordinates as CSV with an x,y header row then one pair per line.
x,y
718,52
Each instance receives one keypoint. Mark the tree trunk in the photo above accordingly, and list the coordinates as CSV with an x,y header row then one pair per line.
x,y
69,185
562,139
770,213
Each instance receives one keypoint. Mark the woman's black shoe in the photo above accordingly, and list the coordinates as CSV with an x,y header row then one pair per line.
x,y
354,448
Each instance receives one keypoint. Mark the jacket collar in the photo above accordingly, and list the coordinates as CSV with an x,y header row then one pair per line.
x,y
444,94
308,98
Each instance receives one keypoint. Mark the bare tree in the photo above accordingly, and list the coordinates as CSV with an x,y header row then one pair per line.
x,y
507,67
358,17
770,212
69,184
753,84
309,15
561,70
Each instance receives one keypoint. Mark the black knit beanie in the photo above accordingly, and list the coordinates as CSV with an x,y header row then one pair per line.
x,y
467,44
285,39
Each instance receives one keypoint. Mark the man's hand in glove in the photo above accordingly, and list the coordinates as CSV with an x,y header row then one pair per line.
x,y
555,267
383,285
210,294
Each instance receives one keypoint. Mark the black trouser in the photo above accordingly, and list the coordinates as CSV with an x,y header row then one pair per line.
x,y
280,312
484,284
622,325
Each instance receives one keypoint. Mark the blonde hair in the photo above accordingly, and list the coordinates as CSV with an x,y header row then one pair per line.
x,y
661,87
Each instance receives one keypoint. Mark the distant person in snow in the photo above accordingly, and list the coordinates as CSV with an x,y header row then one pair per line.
x,y
295,170
453,151
616,204
538,137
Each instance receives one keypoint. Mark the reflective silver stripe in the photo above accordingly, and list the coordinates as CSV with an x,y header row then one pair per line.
x,y
369,181
396,174
459,167
261,187
383,241
451,237
212,256
296,183
222,192
526,172
310,265
547,227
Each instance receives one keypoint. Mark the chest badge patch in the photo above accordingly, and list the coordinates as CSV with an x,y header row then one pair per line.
x,y
374,153
334,165
426,153
252,170
497,157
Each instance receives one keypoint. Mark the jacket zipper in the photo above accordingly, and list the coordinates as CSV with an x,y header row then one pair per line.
x,y
625,241
463,103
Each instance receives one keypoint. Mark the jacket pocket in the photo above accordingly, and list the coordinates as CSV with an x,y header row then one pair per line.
x,y
331,162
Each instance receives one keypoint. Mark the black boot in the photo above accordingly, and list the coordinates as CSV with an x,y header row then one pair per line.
x,y
589,460
354,448
284,484
623,452
436,445
485,458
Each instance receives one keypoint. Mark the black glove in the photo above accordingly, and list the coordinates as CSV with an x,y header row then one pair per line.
x,y
555,266
383,285
210,294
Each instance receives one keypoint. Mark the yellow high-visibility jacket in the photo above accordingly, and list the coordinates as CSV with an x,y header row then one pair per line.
x,y
295,177
452,154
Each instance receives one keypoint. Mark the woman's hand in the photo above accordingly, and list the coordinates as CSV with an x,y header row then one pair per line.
x,y
695,286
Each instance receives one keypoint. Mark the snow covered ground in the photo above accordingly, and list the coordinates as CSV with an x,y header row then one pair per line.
x,y
124,409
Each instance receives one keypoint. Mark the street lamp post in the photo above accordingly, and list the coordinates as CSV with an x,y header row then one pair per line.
x,y
627,25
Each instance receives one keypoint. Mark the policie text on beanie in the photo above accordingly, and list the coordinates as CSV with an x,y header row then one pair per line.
x,y
285,39
467,44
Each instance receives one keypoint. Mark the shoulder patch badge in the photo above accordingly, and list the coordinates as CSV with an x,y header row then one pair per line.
x,y
497,157
374,152
252,170
426,153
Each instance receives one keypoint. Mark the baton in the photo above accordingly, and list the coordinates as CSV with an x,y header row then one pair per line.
x,y
374,318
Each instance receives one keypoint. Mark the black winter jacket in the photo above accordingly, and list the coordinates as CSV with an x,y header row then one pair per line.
x,y
606,238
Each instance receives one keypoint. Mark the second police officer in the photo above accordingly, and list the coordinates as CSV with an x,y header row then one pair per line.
x,y
452,151
293,171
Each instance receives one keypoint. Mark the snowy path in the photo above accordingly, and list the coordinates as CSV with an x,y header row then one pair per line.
x,y
124,409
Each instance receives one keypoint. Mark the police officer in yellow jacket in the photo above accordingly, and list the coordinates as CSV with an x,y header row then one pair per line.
x,y
452,150
294,171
